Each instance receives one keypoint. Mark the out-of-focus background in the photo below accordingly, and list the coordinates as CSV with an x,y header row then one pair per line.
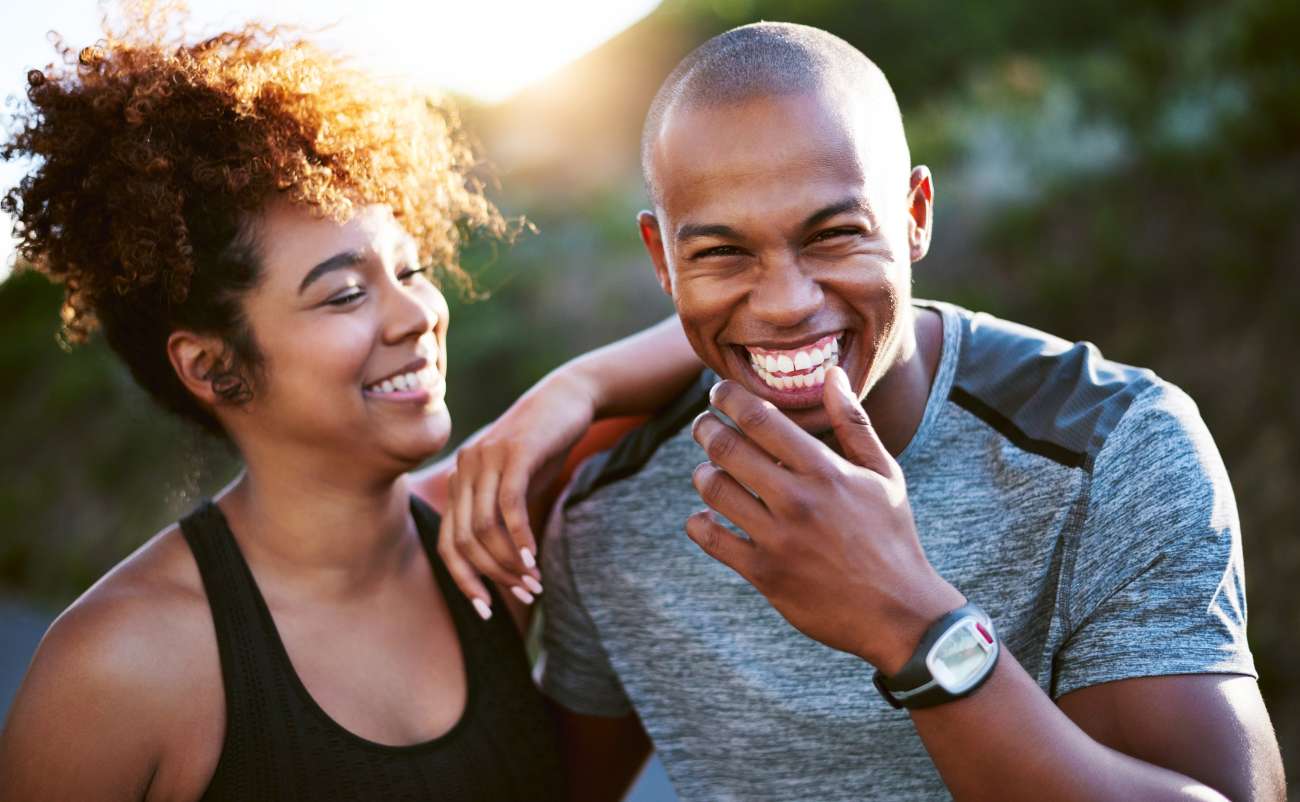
x,y
1121,171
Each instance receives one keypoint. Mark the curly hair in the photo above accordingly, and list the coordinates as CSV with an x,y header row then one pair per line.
x,y
153,154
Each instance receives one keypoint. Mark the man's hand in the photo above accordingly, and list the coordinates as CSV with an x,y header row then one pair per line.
x,y
832,544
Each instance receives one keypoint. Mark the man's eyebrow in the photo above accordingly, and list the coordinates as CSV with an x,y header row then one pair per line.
x,y
336,262
858,205
694,231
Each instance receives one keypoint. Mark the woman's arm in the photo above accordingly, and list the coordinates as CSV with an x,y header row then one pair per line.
x,y
84,722
484,492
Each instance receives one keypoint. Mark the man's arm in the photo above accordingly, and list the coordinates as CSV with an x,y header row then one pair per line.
x,y
1213,727
832,545
602,757
1196,737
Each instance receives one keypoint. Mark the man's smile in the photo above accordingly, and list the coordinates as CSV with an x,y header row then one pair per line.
x,y
792,375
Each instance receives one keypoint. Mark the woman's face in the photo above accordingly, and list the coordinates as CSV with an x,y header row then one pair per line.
x,y
353,335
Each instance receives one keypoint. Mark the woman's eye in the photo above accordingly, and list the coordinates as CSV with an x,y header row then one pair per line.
x,y
346,299
411,272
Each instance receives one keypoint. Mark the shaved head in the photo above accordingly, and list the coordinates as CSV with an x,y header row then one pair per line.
x,y
769,59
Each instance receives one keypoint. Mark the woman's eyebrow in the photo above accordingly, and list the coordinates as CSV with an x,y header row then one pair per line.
x,y
336,262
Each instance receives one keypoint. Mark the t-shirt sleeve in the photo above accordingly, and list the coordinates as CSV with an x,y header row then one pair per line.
x,y
575,670
1157,585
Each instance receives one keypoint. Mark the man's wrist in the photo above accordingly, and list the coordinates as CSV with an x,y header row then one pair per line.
x,y
892,645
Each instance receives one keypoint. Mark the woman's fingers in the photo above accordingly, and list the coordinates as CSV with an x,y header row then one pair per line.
x,y
462,573
513,500
506,573
487,524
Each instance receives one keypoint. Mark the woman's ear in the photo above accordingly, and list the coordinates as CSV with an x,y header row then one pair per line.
x,y
198,360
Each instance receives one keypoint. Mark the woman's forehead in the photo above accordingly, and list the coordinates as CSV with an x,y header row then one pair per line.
x,y
294,237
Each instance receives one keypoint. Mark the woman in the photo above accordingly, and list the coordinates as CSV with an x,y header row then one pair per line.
x,y
249,221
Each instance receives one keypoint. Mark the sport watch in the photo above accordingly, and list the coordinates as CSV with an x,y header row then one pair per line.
x,y
955,656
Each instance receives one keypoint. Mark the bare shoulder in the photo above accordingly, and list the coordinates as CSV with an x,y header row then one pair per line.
x,y
119,674
137,625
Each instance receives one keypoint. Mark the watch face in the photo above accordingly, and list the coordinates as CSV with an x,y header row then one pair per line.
x,y
958,659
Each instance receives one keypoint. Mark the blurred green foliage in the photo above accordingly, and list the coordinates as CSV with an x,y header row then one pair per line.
x,y
1127,173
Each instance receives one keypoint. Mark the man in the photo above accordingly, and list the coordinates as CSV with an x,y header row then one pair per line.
x,y
1078,503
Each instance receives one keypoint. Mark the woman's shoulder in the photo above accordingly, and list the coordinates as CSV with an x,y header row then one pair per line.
x,y
142,621
123,672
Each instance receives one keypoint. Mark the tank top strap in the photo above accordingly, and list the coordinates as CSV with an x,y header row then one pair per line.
x,y
253,685
427,523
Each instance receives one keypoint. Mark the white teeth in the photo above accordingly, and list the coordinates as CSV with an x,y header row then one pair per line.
x,y
770,363
802,361
834,346
784,363
816,356
819,375
414,380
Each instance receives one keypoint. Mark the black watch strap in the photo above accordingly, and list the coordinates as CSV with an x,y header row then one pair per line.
x,y
913,686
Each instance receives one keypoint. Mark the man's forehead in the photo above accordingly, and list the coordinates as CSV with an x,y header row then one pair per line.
x,y
798,149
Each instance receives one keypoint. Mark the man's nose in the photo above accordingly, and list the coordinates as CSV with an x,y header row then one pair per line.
x,y
785,295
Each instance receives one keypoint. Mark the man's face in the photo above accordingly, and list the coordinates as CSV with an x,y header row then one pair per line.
x,y
785,237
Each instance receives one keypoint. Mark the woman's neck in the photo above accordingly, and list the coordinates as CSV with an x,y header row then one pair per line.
x,y
320,534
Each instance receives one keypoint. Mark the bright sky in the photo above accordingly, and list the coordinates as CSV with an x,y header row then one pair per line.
x,y
488,49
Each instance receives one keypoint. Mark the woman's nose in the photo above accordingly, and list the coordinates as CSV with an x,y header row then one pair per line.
x,y
407,315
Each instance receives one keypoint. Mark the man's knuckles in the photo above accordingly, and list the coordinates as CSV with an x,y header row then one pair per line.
x,y
710,483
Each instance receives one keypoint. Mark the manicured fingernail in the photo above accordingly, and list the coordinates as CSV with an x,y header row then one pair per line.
x,y
533,585
522,595
484,611
529,560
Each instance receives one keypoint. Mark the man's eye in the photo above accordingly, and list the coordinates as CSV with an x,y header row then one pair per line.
x,y
718,250
834,233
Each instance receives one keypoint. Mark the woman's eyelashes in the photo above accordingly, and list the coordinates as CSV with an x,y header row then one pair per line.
x,y
355,290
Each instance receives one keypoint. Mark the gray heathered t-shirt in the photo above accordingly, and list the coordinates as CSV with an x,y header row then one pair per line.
x,y
1080,502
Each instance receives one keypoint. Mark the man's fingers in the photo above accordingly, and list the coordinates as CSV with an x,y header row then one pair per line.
x,y
461,572
738,455
767,426
729,498
719,543
857,437
513,498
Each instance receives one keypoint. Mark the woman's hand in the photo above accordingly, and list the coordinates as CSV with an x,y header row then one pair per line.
x,y
498,475
510,469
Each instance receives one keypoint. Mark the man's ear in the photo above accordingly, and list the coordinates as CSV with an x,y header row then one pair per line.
x,y
920,212
654,245
197,360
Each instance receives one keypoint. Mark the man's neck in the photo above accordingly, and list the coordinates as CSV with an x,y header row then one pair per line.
x,y
896,405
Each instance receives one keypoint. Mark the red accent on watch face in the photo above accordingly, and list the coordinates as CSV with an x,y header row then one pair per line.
x,y
984,632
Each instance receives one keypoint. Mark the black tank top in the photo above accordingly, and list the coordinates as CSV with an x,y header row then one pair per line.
x,y
280,745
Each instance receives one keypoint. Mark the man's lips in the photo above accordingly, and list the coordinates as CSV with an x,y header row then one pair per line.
x,y
793,376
